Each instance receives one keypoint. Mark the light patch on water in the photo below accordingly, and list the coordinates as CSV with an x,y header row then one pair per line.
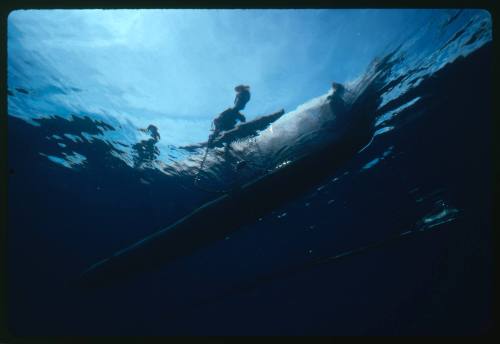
x,y
391,114
283,164
388,152
442,213
75,158
57,160
367,145
375,161
89,137
371,164
172,154
69,160
73,138
383,130
61,144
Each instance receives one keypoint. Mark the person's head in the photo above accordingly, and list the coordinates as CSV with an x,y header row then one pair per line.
x,y
337,87
153,130
241,88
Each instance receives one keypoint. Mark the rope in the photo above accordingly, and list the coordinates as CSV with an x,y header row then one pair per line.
x,y
235,184
197,177
202,162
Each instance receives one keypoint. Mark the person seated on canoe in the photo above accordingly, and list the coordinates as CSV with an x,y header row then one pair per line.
x,y
146,151
153,131
338,90
228,118
336,100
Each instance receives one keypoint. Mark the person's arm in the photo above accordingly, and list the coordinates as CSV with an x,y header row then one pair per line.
x,y
241,118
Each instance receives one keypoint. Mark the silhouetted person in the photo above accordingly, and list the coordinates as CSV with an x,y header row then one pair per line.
x,y
146,150
153,131
242,97
336,100
228,118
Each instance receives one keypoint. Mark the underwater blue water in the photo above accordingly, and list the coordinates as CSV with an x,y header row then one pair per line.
x,y
395,241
